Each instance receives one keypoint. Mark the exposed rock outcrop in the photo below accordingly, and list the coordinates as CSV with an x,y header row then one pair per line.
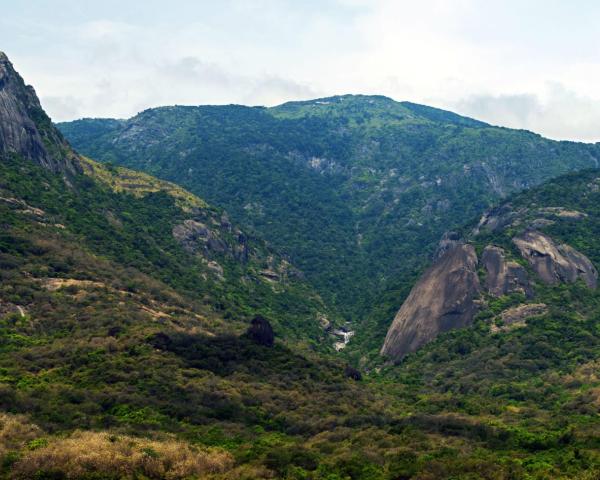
x,y
194,236
443,299
496,219
261,332
555,263
517,316
25,129
448,241
502,276
352,373
7,308
563,212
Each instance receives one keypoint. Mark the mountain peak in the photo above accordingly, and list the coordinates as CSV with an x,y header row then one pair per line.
x,y
25,129
372,110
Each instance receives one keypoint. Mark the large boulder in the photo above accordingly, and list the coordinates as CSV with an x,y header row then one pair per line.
x,y
555,263
261,332
443,299
502,276
352,373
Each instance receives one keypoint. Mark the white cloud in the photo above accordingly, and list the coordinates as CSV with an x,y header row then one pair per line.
x,y
533,64
560,113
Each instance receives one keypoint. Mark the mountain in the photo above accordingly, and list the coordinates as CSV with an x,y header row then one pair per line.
x,y
356,190
519,258
150,225
137,324
25,129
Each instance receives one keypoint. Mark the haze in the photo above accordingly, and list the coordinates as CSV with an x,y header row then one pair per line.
x,y
488,60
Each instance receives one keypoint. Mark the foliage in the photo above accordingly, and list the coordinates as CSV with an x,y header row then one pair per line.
x,y
122,354
356,190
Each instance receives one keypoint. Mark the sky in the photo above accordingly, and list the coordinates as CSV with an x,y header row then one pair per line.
x,y
528,64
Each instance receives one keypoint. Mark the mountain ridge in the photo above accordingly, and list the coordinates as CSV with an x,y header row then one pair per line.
x,y
124,354
389,184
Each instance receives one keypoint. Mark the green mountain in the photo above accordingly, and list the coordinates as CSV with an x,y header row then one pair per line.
x,y
125,351
356,190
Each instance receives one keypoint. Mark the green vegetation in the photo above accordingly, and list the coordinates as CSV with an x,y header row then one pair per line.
x,y
124,300
133,228
356,190
127,358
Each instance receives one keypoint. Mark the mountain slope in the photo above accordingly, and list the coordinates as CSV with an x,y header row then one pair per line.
x,y
90,343
355,189
524,247
122,353
534,342
25,128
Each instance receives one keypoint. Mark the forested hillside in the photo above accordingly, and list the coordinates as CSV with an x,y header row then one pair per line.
x,y
356,190
144,335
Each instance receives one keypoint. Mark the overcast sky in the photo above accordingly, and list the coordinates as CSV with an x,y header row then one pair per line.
x,y
519,63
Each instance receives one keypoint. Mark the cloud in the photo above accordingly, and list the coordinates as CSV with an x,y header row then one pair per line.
x,y
557,113
62,107
528,64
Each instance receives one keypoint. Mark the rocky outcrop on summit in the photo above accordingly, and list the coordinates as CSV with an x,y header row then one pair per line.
x,y
502,276
25,129
555,263
443,299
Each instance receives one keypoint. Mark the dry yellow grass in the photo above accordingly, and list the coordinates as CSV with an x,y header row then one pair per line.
x,y
121,179
15,432
85,453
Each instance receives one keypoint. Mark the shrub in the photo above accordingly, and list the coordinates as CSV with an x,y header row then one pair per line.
x,y
87,454
15,432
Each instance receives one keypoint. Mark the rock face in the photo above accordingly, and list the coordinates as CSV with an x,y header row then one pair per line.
x,y
495,219
197,237
516,316
555,263
443,299
261,332
194,235
25,129
448,241
502,276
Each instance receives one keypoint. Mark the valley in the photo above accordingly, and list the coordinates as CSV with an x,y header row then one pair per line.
x,y
356,190
342,288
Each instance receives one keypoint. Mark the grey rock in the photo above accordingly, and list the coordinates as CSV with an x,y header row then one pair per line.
x,y
502,276
192,235
563,213
215,244
242,251
448,241
541,223
495,219
518,316
25,129
444,298
555,263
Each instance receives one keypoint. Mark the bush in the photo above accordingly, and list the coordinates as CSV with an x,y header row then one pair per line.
x,y
100,455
